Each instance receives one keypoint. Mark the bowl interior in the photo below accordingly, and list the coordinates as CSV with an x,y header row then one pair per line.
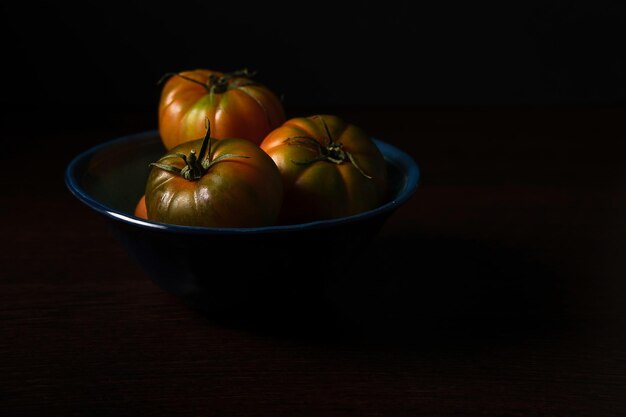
x,y
110,177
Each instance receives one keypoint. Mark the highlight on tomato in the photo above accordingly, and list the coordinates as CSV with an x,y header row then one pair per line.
x,y
236,105
229,182
330,168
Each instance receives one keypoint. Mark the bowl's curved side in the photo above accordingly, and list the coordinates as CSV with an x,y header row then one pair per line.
x,y
243,272
226,269
404,172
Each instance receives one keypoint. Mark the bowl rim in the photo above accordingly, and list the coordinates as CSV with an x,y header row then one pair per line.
x,y
391,153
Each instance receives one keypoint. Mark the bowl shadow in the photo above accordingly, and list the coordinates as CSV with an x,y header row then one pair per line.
x,y
403,292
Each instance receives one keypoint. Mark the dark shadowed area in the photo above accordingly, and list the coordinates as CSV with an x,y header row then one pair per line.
x,y
319,54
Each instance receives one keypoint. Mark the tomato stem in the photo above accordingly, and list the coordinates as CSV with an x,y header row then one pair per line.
x,y
196,166
206,143
333,152
216,83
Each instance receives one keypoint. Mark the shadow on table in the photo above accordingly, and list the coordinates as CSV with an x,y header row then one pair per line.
x,y
411,291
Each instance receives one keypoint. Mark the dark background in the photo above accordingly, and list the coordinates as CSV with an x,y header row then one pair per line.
x,y
321,55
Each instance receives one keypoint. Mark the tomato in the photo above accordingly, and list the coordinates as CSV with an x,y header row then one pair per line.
x,y
330,168
140,208
236,106
229,182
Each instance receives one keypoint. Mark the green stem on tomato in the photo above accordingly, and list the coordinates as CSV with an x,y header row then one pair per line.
x,y
196,166
216,83
333,152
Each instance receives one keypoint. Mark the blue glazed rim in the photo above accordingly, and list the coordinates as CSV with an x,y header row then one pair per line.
x,y
392,154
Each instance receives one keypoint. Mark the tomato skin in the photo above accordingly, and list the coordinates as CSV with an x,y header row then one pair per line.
x,y
246,109
140,208
234,192
324,189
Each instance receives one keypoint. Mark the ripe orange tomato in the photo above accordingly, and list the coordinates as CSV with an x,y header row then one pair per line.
x,y
236,105
214,183
140,208
330,168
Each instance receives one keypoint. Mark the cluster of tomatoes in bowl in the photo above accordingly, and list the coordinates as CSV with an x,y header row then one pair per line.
x,y
232,158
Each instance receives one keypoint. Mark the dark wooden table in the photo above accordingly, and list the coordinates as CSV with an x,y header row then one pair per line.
x,y
498,289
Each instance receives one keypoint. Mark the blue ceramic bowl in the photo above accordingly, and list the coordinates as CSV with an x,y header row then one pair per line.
x,y
226,269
